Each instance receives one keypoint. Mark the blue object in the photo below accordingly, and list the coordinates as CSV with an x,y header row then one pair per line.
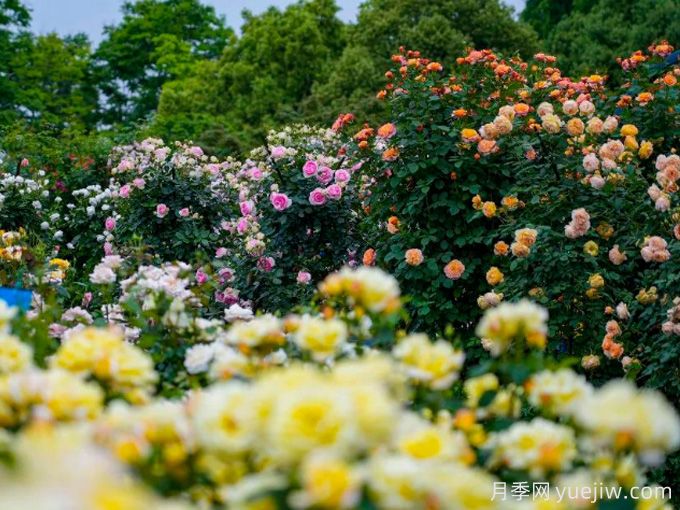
x,y
16,297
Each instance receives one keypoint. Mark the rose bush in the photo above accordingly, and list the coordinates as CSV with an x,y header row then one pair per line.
x,y
501,179
297,217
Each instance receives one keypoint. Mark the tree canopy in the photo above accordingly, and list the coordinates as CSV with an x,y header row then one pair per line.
x,y
174,69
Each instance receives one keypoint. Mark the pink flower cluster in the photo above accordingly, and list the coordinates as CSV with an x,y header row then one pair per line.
x,y
126,189
668,174
579,224
655,249
672,325
318,196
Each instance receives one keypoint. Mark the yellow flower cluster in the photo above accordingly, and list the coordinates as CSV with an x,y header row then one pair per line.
x,y
436,365
61,466
625,418
523,321
344,430
323,338
53,395
559,392
10,248
326,433
263,331
365,287
105,355
539,447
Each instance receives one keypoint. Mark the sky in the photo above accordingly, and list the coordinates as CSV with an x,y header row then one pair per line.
x,y
90,16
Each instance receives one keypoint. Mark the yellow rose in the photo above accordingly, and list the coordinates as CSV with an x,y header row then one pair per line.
x,y
494,276
629,130
591,248
596,281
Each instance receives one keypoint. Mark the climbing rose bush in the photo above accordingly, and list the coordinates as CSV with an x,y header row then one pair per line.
x,y
297,216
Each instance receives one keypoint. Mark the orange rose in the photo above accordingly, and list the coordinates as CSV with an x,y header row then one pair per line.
x,y
387,130
501,248
454,269
522,109
510,202
390,154
489,209
670,80
369,257
487,146
414,257
477,202
494,276
469,135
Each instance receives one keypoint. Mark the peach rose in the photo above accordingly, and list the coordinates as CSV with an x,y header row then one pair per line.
x,y
414,257
454,269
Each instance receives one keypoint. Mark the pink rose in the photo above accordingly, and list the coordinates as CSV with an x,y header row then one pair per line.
x,y
662,203
108,249
226,274
196,151
242,226
124,166
214,168
278,152
304,277
124,191
280,201
228,296
342,175
139,183
220,252
256,174
87,299
247,207
597,181
56,330
317,197
591,163
324,175
162,210
184,212
310,168
24,163
265,264
201,277
334,192
110,223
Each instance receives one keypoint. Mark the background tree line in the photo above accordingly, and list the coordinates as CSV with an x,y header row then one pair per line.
x,y
174,69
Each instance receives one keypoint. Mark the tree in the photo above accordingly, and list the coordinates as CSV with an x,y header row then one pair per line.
x,y
261,78
53,81
14,17
136,57
440,29
588,35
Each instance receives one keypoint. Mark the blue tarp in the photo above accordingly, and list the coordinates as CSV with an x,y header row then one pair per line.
x,y
16,297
